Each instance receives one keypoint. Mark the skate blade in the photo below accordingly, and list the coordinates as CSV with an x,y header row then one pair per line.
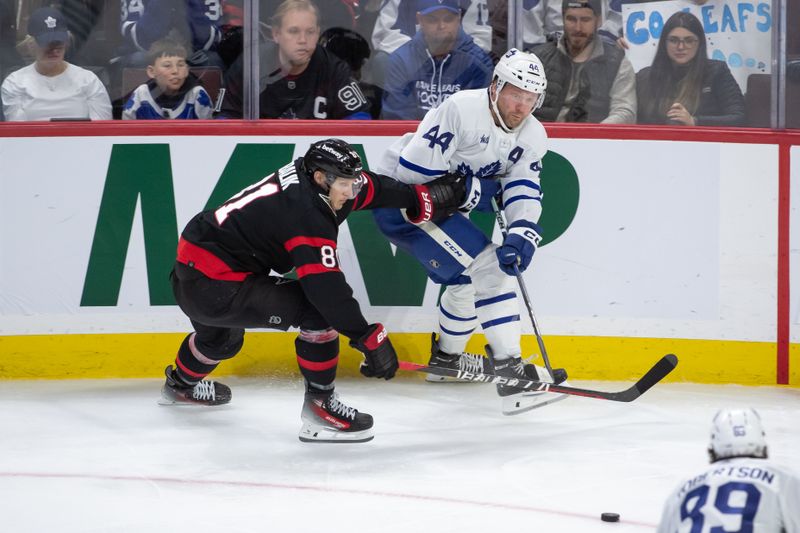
x,y
316,433
168,400
522,403
433,378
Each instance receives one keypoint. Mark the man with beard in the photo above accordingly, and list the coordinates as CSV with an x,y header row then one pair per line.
x,y
298,78
439,61
589,80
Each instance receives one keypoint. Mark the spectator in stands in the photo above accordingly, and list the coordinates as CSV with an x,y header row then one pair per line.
x,y
683,86
172,91
353,49
397,24
83,21
542,21
588,79
440,60
299,79
193,21
51,88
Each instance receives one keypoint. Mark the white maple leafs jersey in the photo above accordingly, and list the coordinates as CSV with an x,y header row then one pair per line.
x,y
740,494
460,135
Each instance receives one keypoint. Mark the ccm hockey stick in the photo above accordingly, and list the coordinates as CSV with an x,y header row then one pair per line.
x,y
664,366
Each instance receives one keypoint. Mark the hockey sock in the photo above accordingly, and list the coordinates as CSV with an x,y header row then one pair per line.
x,y
317,357
191,366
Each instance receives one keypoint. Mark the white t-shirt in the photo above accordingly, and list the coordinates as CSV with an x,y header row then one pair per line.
x,y
739,494
75,93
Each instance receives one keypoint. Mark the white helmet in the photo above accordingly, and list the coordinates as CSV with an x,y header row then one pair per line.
x,y
523,70
737,433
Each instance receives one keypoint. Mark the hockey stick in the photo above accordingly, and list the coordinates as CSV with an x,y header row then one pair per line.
x,y
657,372
562,374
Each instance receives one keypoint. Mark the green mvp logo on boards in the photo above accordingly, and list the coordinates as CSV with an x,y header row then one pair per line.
x,y
127,182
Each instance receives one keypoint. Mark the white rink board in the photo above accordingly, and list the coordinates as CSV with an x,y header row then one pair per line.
x,y
671,239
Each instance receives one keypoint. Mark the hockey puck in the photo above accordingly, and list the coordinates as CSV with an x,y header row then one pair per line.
x,y
609,517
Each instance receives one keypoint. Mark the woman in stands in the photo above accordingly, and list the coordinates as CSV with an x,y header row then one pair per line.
x,y
683,86
51,88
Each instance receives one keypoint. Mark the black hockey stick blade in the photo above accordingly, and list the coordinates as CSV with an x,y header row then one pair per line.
x,y
659,371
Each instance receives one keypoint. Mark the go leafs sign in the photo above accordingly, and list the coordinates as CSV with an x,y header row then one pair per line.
x,y
130,180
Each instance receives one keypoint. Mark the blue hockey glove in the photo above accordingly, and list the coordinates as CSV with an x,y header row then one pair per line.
x,y
518,247
480,192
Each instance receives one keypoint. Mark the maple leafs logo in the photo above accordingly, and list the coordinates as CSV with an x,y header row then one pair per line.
x,y
489,170
465,170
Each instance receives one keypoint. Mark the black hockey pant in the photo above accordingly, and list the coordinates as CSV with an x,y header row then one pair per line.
x,y
221,310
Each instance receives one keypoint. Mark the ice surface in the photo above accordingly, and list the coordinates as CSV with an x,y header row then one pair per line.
x,y
102,456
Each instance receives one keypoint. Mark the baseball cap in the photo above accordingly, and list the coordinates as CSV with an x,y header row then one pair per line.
x,y
428,6
48,25
594,5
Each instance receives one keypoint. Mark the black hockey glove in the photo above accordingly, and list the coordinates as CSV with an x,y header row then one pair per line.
x,y
438,199
380,359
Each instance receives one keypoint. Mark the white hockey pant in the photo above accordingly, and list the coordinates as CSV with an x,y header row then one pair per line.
x,y
490,300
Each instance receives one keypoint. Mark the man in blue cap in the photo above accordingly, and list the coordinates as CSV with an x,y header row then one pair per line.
x,y
440,60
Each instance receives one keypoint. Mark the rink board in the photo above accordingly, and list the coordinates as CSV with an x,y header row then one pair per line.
x,y
671,247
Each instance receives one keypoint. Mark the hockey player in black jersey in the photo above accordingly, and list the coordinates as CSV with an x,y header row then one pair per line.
x,y
289,220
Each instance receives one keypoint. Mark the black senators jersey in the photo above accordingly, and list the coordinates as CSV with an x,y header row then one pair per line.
x,y
326,89
283,222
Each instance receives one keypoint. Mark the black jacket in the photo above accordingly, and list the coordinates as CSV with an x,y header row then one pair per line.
x,y
593,102
721,100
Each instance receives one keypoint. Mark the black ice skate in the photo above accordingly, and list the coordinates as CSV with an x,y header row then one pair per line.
x,y
203,393
326,419
466,362
515,400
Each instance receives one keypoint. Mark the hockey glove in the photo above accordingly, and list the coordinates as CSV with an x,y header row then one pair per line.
x,y
480,192
380,359
518,247
438,199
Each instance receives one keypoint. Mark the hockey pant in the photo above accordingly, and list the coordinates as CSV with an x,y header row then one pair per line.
x,y
221,310
457,253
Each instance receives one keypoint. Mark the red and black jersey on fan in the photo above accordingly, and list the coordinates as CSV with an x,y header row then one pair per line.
x,y
285,222
326,89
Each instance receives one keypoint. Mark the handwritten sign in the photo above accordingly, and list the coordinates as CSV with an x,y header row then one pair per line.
x,y
738,32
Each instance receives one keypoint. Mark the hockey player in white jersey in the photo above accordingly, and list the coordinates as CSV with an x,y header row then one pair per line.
x,y
490,136
741,491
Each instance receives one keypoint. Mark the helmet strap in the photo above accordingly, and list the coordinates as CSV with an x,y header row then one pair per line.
x,y
499,84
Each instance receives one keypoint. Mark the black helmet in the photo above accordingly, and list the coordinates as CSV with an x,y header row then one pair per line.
x,y
347,45
333,156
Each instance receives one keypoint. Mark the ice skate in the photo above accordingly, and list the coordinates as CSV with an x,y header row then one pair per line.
x,y
203,393
514,400
326,419
522,402
467,362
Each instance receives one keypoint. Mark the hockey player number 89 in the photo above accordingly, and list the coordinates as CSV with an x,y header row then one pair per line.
x,y
722,503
